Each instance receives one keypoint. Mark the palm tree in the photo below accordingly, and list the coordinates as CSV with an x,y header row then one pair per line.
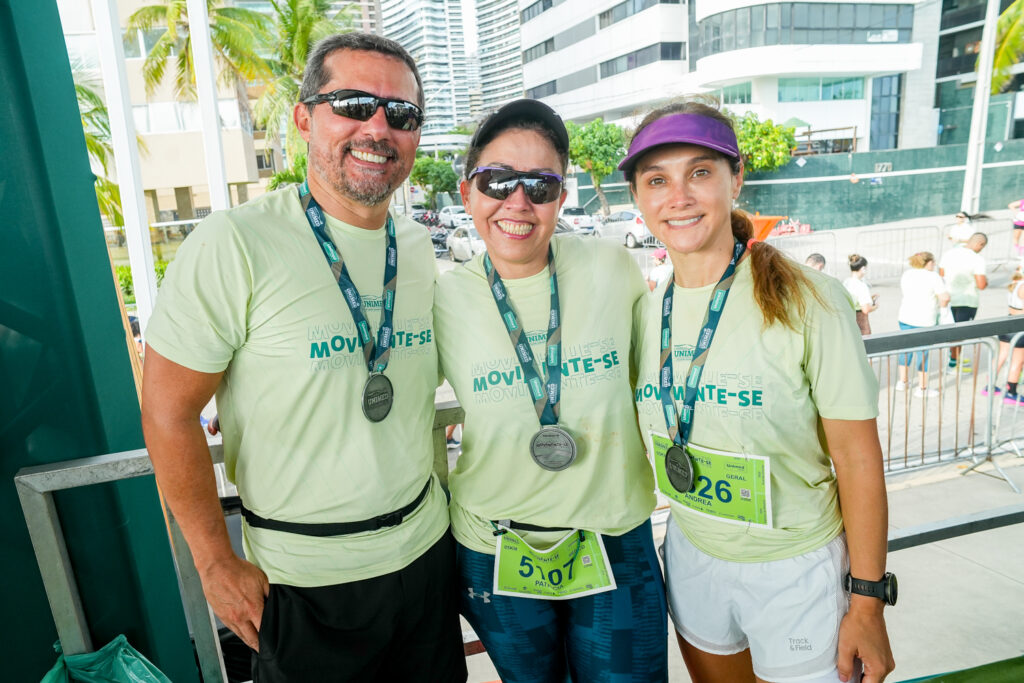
x,y
298,24
1009,45
235,33
96,128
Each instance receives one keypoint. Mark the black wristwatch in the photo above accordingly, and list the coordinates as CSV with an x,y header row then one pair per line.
x,y
885,590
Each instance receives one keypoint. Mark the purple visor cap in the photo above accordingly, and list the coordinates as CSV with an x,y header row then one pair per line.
x,y
690,129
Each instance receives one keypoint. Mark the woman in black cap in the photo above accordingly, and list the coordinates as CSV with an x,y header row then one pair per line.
x,y
552,495
753,386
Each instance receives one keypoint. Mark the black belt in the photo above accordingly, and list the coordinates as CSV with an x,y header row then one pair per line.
x,y
521,526
336,528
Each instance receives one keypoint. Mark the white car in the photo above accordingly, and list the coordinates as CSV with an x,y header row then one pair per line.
x,y
581,221
626,227
464,243
453,216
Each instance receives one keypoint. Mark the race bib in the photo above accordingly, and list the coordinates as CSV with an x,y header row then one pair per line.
x,y
574,567
732,487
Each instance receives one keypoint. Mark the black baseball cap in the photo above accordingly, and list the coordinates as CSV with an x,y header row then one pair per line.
x,y
517,110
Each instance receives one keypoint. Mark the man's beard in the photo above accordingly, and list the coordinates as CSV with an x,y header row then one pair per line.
x,y
367,190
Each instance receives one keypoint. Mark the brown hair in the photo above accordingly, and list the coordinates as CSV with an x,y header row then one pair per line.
x,y
780,285
857,262
921,259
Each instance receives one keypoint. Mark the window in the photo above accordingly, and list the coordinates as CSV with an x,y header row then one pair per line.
x,y
736,94
642,57
539,50
543,90
628,9
265,161
807,23
818,89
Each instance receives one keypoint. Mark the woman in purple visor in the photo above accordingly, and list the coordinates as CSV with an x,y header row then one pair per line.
x,y
753,386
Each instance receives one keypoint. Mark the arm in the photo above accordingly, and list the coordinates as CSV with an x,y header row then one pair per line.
x,y
857,457
980,281
172,398
943,299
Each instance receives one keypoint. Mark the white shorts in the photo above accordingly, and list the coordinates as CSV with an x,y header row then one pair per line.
x,y
786,611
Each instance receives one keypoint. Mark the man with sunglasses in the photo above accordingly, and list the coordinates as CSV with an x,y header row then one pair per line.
x,y
308,312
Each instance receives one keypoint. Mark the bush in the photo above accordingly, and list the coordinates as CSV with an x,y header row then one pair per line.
x,y
124,279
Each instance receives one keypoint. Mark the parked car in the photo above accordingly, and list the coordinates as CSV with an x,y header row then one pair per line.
x,y
453,216
581,221
464,243
416,211
627,227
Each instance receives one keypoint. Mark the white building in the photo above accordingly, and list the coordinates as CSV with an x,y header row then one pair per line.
x,y
432,32
500,52
842,69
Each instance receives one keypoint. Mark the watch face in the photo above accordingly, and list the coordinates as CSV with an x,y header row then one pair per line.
x,y
891,588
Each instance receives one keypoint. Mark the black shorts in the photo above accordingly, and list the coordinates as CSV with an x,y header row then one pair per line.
x,y
402,626
1007,337
962,314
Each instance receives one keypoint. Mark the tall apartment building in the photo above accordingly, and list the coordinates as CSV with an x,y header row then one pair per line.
x,y
432,32
366,13
500,52
837,69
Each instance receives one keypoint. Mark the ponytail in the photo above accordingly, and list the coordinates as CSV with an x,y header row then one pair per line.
x,y
780,286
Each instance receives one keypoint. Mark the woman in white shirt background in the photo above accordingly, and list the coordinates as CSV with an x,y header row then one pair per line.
x,y
924,293
861,293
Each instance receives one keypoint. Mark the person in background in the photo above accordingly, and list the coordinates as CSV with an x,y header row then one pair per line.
x,y
861,293
816,261
661,272
963,269
1018,227
1015,302
923,294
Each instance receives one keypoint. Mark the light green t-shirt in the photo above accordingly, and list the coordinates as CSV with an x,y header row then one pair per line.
x,y
610,487
250,293
762,392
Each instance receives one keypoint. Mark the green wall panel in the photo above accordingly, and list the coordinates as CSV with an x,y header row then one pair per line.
x,y
67,390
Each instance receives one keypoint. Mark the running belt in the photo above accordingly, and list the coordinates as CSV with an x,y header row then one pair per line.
x,y
336,528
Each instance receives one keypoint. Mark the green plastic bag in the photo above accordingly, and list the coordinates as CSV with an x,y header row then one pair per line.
x,y
115,662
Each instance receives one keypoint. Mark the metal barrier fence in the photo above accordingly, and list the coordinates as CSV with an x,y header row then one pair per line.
x,y
887,250
799,247
983,434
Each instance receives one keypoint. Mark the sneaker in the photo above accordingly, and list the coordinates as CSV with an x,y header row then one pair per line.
x,y
1012,399
452,443
900,385
922,393
951,369
986,391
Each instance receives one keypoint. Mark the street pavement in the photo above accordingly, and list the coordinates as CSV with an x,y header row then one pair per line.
x,y
960,599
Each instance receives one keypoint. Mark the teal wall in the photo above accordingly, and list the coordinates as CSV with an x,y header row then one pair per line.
x,y
66,388
839,203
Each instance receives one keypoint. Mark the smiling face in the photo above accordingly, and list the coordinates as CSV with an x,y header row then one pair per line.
x,y
685,193
516,231
360,162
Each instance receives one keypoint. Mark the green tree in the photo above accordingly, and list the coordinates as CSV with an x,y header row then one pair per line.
x,y
96,128
236,35
597,148
434,176
1009,45
296,173
297,25
764,145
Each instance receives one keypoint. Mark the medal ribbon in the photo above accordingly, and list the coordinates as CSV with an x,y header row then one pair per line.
x,y
680,424
546,394
376,354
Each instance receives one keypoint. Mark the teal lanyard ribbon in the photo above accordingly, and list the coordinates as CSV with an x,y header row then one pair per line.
x,y
376,354
546,394
680,424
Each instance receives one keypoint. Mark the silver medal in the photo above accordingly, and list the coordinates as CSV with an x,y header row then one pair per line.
x,y
553,448
679,469
378,395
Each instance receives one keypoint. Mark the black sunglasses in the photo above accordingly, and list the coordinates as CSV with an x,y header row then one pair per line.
x,y
500,183
359,105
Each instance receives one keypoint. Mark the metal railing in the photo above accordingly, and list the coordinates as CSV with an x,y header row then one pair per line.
x,y
36,487
798,247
